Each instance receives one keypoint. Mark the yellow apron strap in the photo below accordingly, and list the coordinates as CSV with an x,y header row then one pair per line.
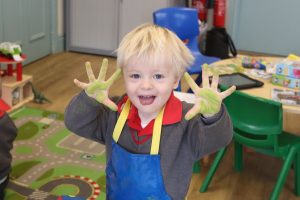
x,y
157,133
121,121
156,129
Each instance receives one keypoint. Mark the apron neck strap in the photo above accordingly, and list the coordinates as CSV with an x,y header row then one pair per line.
x,y
156,129
121,121
157,132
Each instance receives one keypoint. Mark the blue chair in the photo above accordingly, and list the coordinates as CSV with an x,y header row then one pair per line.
x,y
184,22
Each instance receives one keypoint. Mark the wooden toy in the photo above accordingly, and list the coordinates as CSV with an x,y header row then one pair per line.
x,y
16,93
10,62
15,88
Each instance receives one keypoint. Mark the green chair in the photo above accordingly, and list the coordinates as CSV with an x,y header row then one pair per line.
x,y
257,125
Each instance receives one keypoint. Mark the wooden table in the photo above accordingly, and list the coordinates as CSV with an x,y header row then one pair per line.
x,y
291,114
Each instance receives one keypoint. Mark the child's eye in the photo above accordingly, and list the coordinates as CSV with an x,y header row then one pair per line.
x,y
135,76
158,76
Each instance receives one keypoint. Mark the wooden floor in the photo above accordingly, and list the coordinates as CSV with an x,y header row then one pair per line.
x,y
54,74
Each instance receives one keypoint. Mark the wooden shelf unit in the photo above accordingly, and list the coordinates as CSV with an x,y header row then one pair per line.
x,y
16,93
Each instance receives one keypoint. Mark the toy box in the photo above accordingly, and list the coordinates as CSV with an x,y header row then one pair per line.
x,y
286,81
289,68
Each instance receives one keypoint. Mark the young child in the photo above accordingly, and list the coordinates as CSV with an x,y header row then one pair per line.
x,y
152,138
8,132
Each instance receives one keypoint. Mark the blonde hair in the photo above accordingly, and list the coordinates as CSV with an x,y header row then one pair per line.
x,y
154,44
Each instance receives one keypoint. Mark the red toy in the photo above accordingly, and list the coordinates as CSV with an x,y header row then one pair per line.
x,y
10,62
4,106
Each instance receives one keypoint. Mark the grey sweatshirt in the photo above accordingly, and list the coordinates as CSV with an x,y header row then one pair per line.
x,y
181,143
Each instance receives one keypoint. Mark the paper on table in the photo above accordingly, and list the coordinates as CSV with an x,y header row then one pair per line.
x,y
286,96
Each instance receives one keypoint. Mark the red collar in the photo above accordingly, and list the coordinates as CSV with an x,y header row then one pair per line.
x,y
172,115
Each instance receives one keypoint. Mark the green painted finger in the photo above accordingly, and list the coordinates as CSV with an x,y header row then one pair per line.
x,y
190,81
205,76
228,92
81,84
114,77
215,81
103,70
192,112
89,72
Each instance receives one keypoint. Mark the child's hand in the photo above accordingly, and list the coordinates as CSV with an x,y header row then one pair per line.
x,y
208,99
98,88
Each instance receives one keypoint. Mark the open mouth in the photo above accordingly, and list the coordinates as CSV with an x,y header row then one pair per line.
x,y
146,100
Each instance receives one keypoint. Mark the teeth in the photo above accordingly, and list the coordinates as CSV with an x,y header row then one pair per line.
x,y
146,96
146,99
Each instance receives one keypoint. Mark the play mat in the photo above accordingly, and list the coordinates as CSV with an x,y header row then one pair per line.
x,y
49,161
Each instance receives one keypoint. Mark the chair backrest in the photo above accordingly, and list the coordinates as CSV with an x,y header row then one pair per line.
x,y
181,20
257,122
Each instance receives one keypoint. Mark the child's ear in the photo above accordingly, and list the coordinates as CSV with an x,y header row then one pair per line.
x,y
176,83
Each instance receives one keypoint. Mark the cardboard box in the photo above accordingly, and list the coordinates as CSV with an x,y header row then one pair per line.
x,y
289,68
286,81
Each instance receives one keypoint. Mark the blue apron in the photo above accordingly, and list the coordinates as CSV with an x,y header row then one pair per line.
x,y
135,176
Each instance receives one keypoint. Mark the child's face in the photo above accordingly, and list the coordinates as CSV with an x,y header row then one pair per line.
x,y
149,86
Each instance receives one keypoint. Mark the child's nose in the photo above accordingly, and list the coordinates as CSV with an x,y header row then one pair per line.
x,y
146,84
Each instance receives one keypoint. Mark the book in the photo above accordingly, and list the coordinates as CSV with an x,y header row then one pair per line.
x,y
285,96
